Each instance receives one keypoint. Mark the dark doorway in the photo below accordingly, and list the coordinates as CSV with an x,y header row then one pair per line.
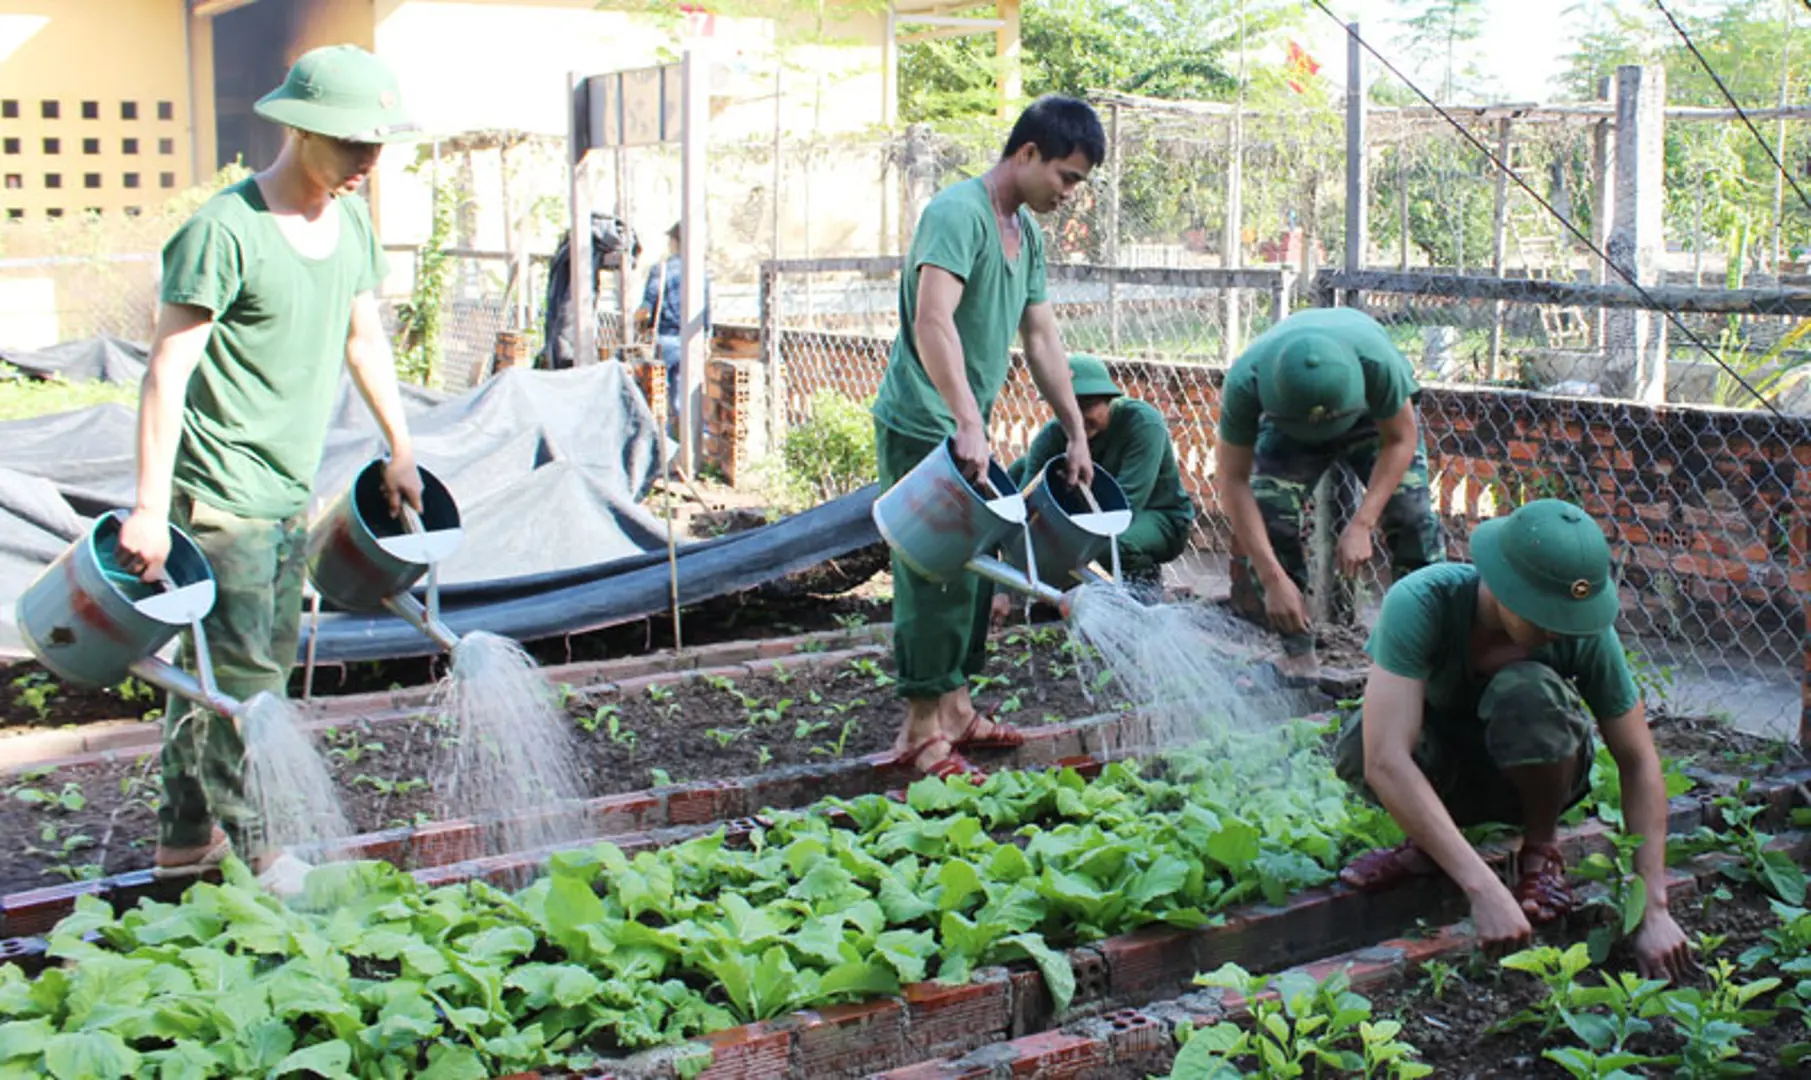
x,y
249,44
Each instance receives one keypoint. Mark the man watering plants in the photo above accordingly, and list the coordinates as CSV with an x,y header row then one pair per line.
x,y
267,292
974,276
1485,682
1130,440
1322,387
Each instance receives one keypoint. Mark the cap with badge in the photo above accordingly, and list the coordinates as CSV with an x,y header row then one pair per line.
x,y
1313,388
1549,563
342,92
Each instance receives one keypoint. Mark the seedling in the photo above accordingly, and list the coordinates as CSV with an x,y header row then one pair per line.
x,y
871,670
725,736
348,748
852,620
390,787
806,728
69,799
836,749
762,756
769,714
35,691
1436,974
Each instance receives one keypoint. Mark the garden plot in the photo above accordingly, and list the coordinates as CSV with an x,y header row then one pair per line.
x,y
99,819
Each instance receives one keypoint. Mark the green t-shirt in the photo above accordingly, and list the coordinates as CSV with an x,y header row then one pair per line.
x,y
255,418
959,233
1389,377
1424,632
1135,447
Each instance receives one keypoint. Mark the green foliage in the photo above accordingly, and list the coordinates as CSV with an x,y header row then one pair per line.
x,y
832,453
370,973
1771,870
1310,1028
1438,35
418,319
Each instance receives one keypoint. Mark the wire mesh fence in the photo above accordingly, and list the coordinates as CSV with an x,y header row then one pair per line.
x,y
1705,503
52,298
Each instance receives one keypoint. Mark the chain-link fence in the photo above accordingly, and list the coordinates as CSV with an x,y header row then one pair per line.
x,y
1703,501
51,298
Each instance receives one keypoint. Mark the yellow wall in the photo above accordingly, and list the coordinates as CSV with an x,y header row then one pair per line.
x,y
107,52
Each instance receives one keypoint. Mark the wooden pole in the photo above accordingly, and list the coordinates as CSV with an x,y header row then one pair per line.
x,y
1499,236
692,356
584,303
1357,189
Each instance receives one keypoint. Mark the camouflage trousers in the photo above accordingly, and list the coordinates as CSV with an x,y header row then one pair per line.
x,y
1285,475
252,635
1527,715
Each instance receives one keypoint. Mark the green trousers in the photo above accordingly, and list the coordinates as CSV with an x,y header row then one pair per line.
x,y
1527,715
252,635
939,629
1153,539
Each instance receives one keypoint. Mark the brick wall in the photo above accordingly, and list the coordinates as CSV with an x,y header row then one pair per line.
x,y
1707,508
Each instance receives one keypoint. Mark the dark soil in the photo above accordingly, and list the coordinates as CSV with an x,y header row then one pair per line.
x,y
1714,746
693,731
1453,1031
32,699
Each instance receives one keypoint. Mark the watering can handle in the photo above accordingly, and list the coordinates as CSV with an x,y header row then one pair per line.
x,y
204,660
1088,494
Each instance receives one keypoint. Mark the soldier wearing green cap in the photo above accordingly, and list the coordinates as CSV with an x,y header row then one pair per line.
x,y
1486,680
1129,439
1322,387
268,293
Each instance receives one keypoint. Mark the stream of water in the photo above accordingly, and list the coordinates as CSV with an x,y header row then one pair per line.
x,y
286,777
513,756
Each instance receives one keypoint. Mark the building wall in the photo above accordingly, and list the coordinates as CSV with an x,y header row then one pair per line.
x,y
116,75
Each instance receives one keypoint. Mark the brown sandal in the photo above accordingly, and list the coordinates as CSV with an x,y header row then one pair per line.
x,y
1382,868
1541,888
952,764
1004,737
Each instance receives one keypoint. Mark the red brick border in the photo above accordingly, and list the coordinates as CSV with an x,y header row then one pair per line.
x,y
453,849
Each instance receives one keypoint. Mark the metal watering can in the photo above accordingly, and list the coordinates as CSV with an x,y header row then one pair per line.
x,y
943,526
1071,527
362,559
93,623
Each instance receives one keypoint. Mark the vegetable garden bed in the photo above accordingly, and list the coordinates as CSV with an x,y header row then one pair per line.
x,y
98,818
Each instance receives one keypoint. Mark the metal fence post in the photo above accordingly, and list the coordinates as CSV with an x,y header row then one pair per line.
x,y
773,355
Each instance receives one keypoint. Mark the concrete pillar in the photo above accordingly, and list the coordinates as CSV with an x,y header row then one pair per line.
x,y
1636,362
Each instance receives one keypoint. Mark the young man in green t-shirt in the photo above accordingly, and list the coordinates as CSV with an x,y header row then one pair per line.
x,y
973,278
1321,387
1130,439
269,292
1485,682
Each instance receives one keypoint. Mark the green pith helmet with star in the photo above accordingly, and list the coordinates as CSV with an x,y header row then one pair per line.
x,y
1314,389
1549,563
342,92
1089,375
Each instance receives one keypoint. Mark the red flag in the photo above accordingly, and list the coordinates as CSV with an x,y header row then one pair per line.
x,y
1300,67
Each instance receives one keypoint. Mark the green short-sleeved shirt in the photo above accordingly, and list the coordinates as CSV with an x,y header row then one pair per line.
x,y
1424,632
959,233
1389,377
256,414
1135,447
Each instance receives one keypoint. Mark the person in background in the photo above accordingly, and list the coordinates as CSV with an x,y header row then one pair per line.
x,y
1321,388
661,308
973,278
269,293
1128,438
1486,680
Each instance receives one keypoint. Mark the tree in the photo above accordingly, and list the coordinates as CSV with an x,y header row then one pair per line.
x,y
1438,34
1185,49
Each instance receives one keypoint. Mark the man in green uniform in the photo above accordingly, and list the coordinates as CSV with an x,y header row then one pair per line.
x,y
1471,716
269,292
974,277
1130,440
1322,387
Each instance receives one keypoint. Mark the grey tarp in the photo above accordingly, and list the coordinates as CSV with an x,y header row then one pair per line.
x,y
103,359
548,468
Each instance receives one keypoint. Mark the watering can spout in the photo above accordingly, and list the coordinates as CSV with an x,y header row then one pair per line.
x,y
1001,574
